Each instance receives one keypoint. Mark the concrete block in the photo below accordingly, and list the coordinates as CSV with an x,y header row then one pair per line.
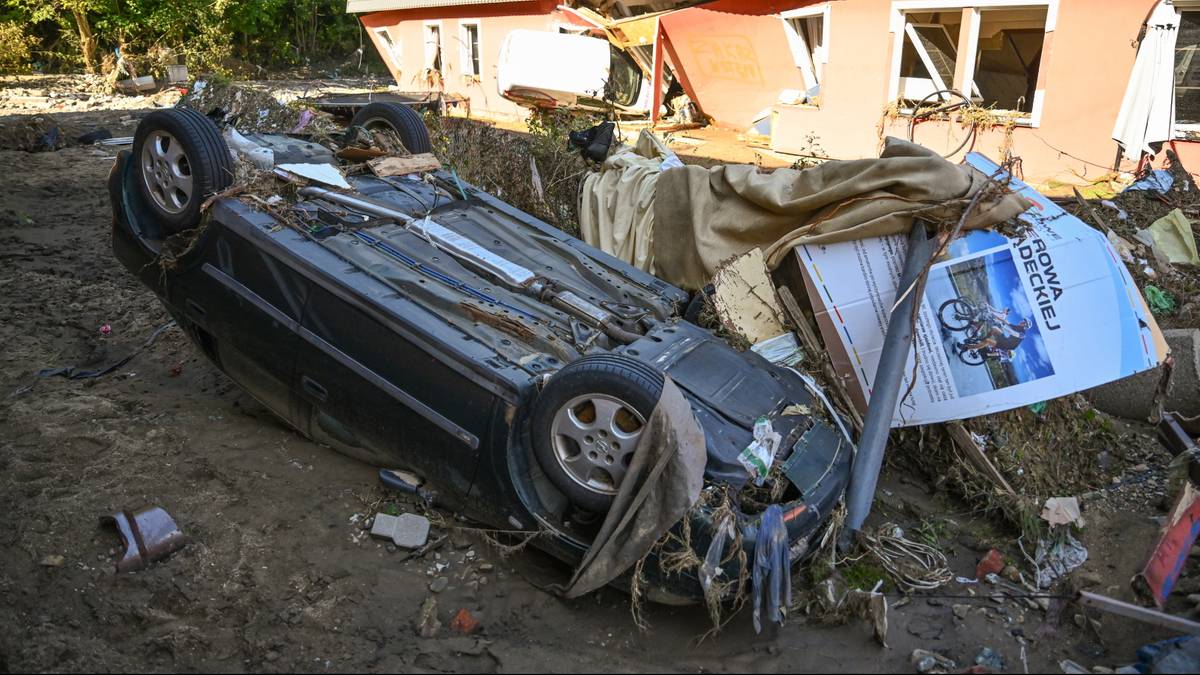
x,y
407,530
1133,397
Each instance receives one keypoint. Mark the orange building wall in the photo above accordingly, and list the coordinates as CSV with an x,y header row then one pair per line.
x,y
495,22
1085,69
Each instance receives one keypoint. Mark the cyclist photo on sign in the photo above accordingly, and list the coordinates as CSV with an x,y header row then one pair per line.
x,y
984,318
1001,335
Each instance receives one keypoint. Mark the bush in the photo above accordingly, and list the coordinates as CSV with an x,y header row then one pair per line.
x,y
16,48
501,161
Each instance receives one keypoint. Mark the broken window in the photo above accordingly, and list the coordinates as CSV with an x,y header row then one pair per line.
x,y
807,32
469,48
930,52
1005,55
433,47
1187,69
624,78
390,47
1009,57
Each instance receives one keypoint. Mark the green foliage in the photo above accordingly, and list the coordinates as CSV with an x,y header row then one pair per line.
x,y
230,36
16,47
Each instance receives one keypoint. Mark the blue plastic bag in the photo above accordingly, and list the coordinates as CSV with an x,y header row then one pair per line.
x,y
772,568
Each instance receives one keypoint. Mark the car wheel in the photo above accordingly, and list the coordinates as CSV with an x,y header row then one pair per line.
x,y
181,161
400,119
587,422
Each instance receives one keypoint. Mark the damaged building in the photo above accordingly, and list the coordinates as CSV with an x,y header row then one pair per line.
x,y
1045,79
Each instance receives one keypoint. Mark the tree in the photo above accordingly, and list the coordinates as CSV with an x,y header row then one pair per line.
x,y
68,12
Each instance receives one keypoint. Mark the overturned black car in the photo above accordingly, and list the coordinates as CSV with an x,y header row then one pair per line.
x,y
420,323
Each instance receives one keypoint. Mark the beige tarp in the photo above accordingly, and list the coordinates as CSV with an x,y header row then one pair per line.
x,y
704,216
616,204
662,484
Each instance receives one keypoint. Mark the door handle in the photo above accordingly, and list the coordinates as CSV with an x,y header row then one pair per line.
x,y
313,388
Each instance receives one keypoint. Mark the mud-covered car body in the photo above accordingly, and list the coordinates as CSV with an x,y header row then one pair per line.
x,y
366,335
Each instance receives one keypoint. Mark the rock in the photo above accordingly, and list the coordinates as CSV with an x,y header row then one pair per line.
x,y
486,567
428,624
1140,468
53,561
1133,397
464,622
459,539
1089,579
1011,573
961,611
272,655
439,584
924,661
989,659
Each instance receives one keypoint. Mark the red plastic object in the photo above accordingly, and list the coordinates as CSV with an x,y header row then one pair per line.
x,y
992,563
464,622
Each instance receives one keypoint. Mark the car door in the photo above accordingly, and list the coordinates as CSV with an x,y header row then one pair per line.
x,y
244,306
372,393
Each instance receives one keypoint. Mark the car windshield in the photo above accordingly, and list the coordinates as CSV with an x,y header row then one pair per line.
x,y
624,79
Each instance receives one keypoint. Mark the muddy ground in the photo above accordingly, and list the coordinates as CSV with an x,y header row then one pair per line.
x,y
279,575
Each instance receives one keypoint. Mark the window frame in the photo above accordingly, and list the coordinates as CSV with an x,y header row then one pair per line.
x,y
441,45
393,47
1185,132
900,33
464,48
810,62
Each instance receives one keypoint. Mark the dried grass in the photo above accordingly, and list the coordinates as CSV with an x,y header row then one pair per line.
x,y
502,162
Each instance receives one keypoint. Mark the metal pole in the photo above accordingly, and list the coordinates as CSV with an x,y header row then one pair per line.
x,y
885,391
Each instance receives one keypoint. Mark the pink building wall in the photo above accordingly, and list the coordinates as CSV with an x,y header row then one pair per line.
x,y
1085,67
407,30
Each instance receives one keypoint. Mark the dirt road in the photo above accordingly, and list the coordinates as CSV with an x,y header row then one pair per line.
x,y
279,574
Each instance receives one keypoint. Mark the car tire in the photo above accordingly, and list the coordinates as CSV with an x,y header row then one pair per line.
x,y
586,424
403,120
180,161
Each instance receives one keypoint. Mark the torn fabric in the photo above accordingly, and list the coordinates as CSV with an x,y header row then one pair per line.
x,y
703,216
616,204
663,483
1147,112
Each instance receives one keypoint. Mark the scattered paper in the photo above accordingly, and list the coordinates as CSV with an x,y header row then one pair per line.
x,y
321,173
1171,237
1057,560
1062,511
760,454
782,350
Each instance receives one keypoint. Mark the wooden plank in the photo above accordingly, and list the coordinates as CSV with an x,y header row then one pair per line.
x,y
1091,211
966,442
1139,613
745,299
400,166
812,346
361,154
